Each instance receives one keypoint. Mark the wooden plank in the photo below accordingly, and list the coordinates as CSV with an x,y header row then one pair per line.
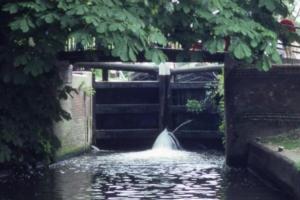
x,y
118,66
192,85
126,133
183,109
131,84
178,108
214,68
152,133
198,134
126,108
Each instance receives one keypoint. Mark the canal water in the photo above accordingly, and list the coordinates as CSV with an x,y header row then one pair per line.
x,y
153,174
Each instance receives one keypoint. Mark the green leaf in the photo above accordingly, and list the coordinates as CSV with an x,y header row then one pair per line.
x,y
131,55
101,28
157,37
21,60
265,63
121,49
113,27
79,10
186,9
254,43
34,67
214,46
155,55
269,4
195,106
108,2
276,58
12,8
49,18
24,25
242,50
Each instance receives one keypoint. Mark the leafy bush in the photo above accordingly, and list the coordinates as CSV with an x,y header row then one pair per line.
x,y
28,112
214,101
194,106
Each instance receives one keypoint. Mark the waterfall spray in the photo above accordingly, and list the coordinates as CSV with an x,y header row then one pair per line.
x,y
167,139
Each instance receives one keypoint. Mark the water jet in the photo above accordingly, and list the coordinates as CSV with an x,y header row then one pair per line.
x,y
167,140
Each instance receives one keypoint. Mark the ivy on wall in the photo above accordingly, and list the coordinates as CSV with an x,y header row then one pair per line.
x,y
213,101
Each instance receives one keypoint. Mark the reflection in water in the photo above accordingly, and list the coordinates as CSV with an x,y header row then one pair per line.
x,y
153,174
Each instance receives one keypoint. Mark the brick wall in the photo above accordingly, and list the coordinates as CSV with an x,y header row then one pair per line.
x,y
75,135
258,104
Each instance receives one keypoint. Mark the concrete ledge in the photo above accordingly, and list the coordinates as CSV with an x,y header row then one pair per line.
x,y
274,167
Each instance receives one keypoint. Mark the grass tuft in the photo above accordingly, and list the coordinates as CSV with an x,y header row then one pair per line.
x,y
291,141
297,165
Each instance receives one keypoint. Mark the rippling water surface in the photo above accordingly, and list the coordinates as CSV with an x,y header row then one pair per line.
x,y
153,174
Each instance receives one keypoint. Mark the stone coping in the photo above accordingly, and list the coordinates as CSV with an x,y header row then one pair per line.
x,y
275,167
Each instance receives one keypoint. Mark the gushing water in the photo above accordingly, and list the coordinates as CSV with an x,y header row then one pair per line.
x,y
166,140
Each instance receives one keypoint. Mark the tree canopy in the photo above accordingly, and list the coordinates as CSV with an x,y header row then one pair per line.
x,y
34,31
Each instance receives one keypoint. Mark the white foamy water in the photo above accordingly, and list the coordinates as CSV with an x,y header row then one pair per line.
x,y
166,140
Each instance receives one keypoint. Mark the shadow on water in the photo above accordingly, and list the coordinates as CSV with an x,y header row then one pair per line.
x,y
152,174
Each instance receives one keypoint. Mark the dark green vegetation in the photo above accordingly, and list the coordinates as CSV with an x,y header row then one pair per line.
x,y
298,165
26,121
289,141
33,32
214,101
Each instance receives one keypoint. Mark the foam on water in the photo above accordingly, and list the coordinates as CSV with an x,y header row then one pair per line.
x,y
166,140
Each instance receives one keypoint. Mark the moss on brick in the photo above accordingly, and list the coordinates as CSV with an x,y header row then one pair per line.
x,y
297,165
67,152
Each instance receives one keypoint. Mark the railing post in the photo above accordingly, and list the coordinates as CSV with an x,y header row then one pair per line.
x,y
94,109
104,74
164,95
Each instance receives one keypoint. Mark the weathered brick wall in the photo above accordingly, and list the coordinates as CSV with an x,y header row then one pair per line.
x,y
75,135
258,104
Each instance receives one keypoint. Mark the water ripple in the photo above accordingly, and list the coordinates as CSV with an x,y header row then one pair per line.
x,y
150,174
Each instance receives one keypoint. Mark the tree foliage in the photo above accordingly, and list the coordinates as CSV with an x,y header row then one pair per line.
x,y
41,28
252,26
32,32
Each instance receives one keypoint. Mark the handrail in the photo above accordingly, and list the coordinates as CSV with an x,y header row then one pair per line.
x,y
119,66
186,70
149,68
286,65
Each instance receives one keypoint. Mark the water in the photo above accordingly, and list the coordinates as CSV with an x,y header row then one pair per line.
x,y
153,174
166,140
